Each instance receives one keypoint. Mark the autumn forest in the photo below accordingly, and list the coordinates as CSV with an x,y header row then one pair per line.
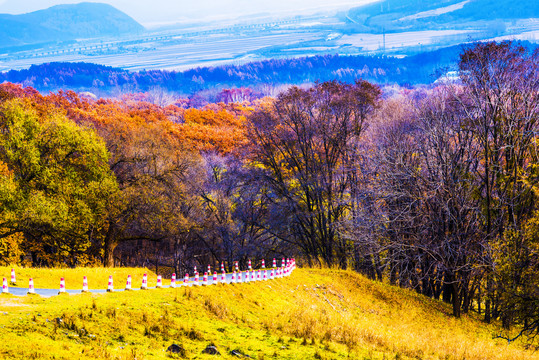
x,y
432,188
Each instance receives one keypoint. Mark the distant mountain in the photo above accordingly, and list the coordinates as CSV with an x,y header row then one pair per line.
x,y
402,15
64,23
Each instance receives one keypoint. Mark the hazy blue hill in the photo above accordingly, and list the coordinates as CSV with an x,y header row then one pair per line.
x,y
385,14
15,32
399,7
498,9
399,15
65,22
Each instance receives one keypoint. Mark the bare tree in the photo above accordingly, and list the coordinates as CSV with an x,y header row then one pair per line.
x,y
304,142
502,85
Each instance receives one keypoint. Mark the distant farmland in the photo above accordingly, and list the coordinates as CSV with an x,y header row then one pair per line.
x,y
181,50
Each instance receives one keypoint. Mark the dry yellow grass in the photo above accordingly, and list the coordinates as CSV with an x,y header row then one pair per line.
x,y
313,314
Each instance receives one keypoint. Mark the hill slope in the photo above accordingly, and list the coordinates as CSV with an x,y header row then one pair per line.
x,y
314,314
65,22
404,15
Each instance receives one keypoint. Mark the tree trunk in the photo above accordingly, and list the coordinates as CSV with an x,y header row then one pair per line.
x,y
465,295
487,300
446,292
456,301
479,299
378,266
110,245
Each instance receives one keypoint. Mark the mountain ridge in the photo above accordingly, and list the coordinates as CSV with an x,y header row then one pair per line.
x,y
64,23
401,15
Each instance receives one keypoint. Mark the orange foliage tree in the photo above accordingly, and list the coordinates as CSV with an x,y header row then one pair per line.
x,y
154,155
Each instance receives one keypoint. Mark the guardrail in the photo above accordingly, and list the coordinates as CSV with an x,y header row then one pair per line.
x,y
236,277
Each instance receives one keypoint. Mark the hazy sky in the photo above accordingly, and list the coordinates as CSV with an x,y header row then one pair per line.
x,y
156,11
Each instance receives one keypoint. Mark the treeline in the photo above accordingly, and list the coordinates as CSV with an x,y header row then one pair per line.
x,y
432,189
260,76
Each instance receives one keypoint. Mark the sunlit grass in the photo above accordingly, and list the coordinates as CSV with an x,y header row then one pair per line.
x,y
313,314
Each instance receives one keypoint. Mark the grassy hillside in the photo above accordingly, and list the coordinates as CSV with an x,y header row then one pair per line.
x,y
314,314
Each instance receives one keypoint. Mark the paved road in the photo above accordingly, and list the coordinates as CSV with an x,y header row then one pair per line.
x,y
18,291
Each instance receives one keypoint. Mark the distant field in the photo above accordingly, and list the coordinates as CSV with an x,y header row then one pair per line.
x,y
181,50
174,54
313,314
374,42
218,49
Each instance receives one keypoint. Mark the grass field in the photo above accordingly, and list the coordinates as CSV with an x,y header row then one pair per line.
x,y
313,314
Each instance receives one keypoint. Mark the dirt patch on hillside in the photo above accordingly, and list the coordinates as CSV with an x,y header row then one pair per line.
x,y
11,302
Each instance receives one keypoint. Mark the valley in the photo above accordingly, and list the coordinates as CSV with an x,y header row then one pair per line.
x,y
186,46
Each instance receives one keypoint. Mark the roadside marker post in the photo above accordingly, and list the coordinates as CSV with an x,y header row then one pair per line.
x,y
173,281
110,287
84,284
205,279
5,288
144,285
186,280
159,282
62,286
13,279
128,283
31,289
